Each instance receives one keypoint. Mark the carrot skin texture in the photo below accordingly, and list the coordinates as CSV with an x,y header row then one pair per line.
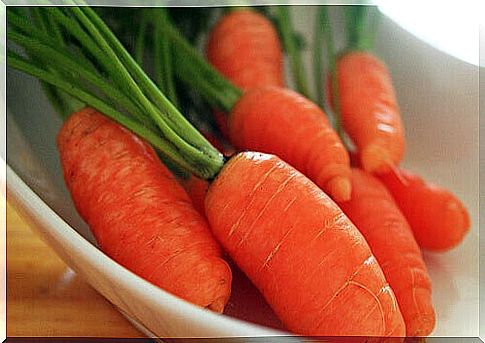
x,y
282,122
140,215
439,220
245,47
309,261
369,110
373,210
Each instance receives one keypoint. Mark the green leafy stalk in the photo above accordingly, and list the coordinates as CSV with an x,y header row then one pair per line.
x,y
172,123
359,36
118,74
322,15
318,71
67,65
59,101
296,63
77,91
163,62
141,39
198,74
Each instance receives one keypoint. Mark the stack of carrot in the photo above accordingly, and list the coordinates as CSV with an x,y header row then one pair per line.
x,y
334,249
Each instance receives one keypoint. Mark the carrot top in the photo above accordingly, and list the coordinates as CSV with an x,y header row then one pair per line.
x,y
290,44
94,67
192,69
361,24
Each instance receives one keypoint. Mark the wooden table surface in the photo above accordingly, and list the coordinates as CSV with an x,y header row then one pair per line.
x,y
46,298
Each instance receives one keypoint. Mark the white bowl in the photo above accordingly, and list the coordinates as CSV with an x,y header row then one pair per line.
x,y
438,96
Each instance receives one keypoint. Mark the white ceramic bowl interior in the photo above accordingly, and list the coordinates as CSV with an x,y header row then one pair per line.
x,y
438,96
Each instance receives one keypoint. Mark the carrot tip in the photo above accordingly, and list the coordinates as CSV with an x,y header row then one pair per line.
x,y
218,305
339,188
375,159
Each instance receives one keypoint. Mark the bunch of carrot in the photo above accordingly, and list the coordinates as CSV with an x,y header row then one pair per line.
x,y
363,91
346,263
87,138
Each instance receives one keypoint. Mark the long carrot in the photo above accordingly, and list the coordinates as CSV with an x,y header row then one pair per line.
x,y
309,261
369,110
244,46
365,99
438,218
373,211
272,120
140,215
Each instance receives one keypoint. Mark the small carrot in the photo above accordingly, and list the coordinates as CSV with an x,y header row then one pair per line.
x,y
369,110
272,120
244,46
438,218
140,215
363,97
282,122
374,212
310,263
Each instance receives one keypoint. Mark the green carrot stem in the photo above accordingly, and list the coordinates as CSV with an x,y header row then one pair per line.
x,y
318,70
69,65
165,56
204,162
332,65
373,24
160,63
296,63
88,44
141,38
356,18
168,150
173,123
53,94
198,74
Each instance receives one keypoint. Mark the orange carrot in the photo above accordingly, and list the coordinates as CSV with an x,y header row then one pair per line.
x,y
271,119
374,212
308,260
369,110
140,215
437,217
282,122
245,47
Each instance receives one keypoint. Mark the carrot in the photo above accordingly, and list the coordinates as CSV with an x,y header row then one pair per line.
x,y
373,211
244,46
311,264
369,110
272,120
282,122
141,217
361,93
438,218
